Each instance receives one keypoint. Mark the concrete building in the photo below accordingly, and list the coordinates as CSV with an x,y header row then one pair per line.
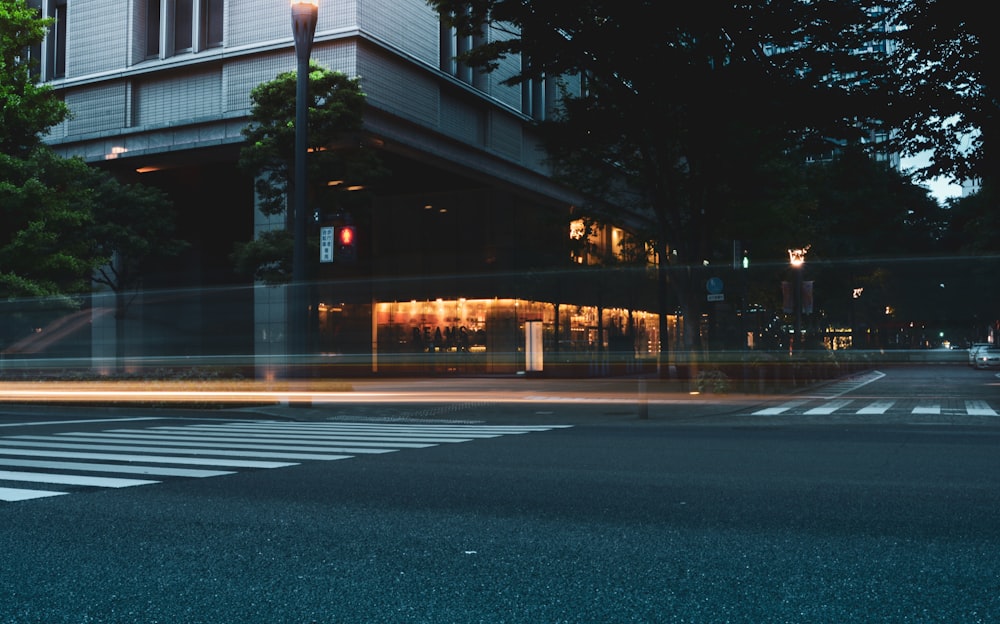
x,y
466,241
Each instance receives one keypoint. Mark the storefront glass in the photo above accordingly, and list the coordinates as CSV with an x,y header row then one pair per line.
x,y
487,335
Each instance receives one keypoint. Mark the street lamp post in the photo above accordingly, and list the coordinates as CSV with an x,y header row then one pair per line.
x,y
797,258
304,14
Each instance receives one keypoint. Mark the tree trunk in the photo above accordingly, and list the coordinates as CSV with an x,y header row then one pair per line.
x,y
121,308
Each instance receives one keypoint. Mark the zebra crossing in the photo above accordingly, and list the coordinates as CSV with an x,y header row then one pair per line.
x,y
127,457
876,407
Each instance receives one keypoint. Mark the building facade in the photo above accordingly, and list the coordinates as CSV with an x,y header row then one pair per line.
x,y
465,241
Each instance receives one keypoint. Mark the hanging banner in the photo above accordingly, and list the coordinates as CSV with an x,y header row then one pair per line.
x,y
788,297
807,297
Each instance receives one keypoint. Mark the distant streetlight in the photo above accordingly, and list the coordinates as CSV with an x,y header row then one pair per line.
x,y
797,258
304,14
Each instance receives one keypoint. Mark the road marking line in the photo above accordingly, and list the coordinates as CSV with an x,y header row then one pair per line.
x,y
927,409
828,408
151,459
848,385
116,468
64,479
73,422
878,407
979,408
368,428
319,436
305,446
774,411
209,445
10,495
179,451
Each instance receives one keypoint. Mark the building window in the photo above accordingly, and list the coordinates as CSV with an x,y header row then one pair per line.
x,y
152,28
55,42
452,46
211,17
177,26
183,24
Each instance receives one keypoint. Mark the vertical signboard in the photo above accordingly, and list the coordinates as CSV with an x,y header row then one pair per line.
x,y
326,244
533,346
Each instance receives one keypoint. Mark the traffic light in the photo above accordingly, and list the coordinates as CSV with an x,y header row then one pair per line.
x,y
347,250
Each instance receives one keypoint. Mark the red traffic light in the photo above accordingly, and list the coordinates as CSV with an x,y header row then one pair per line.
x,y
346,235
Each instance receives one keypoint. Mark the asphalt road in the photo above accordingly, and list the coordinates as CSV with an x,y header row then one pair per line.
x,y
691,515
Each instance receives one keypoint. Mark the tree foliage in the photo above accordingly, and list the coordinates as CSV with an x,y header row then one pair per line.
x,y
336,154
45,203
62,222
695,114
133,228
27,109
945,79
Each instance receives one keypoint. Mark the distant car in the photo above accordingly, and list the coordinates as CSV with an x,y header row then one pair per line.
x,y
988,357
974,348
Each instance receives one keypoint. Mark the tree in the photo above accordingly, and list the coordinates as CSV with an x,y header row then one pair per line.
x,y
946,81
27,109
43,202
132,230
870,227
685,114
62,223
336,108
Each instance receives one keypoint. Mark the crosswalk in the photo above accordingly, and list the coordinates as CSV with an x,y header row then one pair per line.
x,y
59,463
876,407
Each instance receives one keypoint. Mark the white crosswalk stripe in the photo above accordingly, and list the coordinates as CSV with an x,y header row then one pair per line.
x,y
828,408
979,408
780,409
208,450
870,407
878,407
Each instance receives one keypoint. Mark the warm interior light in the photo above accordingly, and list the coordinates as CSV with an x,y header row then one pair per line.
x,y
116,151
315,3
797,257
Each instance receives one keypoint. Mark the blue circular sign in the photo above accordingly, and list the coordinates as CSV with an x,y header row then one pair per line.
x,y
714,285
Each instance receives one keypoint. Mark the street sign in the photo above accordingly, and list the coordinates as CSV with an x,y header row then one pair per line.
x,y
713,286
717,297
326,244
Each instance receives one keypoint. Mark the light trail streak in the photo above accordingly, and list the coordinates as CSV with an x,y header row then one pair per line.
x,y
320,392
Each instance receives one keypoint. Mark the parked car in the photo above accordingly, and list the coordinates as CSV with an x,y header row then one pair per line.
x,y
974,348
988,357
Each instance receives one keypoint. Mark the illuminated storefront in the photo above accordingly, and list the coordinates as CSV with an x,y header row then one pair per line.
x,y
488,335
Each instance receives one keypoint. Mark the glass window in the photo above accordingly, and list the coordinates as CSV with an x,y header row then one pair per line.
x,y
56,62
183,24
212,24
152,28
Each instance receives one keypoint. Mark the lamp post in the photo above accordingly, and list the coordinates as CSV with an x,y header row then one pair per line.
x,y
304,14
797,258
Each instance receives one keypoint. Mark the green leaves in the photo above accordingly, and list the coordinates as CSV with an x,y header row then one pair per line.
x,y
27,110
132,228
336,153
45,205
